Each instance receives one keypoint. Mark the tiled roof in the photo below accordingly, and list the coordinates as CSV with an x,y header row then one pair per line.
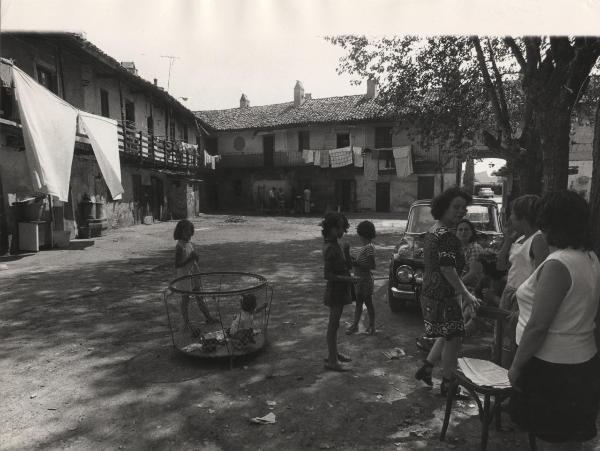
x,y
356,108
78,41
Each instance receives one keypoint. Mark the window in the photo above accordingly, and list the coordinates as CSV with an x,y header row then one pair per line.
x,y
383,137
185,133
136,180
104,110
47,79
239,143
343,140
212,146
303,140
130,113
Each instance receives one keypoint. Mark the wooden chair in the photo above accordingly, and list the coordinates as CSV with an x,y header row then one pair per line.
x,y
487,412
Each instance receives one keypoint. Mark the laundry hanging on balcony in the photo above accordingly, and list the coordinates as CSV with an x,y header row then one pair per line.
x,y
211,160
104,138
340,157
371,162
49,125
403,161
358,156
308,156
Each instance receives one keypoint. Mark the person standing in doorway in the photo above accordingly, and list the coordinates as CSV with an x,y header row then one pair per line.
x,y
306,195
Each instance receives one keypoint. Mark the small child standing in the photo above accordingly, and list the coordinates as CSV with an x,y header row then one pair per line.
x,y
363,264
186,262
339,281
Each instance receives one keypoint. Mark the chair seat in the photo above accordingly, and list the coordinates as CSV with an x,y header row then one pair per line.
x,y
483,374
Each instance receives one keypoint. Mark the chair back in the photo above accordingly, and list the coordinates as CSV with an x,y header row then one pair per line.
x,y
499,316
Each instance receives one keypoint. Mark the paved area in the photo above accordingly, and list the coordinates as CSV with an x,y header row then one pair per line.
x,y
86,360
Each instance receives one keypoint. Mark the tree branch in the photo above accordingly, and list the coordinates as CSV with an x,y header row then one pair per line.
x,y
500,87
493,95
516,51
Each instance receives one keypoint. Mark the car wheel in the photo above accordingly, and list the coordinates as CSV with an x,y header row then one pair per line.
x,y
396,305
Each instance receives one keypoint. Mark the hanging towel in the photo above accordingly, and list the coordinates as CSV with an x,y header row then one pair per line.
x,y
213,161
403,160
358,157
308,156
317,157
207,158
324,158
340,157
103,136
49,125
371,163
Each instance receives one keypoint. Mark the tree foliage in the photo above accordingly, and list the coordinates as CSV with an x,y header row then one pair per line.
x,y
519,91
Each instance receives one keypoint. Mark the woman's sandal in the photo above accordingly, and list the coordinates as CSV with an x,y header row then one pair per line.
x,y
424,373
352,330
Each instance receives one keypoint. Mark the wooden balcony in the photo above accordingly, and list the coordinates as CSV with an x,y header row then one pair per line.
x,y
286,159
157,151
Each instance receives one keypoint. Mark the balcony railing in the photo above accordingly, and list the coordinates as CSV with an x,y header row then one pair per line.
x,y
281,159
158,150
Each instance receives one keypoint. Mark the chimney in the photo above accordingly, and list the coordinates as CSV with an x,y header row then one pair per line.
x,y
156,82
130,66
298,94
372,88
307,96
244,101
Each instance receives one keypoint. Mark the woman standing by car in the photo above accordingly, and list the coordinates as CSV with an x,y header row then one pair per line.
x,y
442,287
523,250
556,370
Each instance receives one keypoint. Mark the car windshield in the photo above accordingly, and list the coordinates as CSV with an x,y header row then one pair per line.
x,y
483,217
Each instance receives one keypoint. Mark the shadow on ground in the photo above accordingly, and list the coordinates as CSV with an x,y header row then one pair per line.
x,y
89,357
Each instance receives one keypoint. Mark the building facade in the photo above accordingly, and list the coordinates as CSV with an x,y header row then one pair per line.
x,y
161,169
262,148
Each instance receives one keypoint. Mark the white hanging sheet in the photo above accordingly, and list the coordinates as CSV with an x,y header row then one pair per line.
x,y
403,161
103,136
358,157
340,157
49,126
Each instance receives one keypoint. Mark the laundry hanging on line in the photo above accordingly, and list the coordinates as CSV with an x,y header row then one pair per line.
x,y
371,165
358,156
49,126
104,138
211,160
308,156
403,161
340,157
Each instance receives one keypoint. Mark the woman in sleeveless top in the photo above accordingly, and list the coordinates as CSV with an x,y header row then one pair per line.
x,y
523,250
556,370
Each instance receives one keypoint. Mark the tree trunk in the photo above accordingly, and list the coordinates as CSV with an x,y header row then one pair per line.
x,y
595,191
469,177
555,126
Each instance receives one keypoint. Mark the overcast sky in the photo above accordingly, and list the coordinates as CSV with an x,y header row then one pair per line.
x,y
261,47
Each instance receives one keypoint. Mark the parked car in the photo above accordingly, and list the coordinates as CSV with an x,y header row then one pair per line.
x,y
406,263
485,192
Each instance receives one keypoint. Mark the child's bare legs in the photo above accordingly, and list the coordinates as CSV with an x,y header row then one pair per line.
x,y
185,304
357,314
335,313
204,309
435,354
371,311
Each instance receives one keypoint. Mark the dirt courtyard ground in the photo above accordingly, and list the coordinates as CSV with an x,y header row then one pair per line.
x,y
86,360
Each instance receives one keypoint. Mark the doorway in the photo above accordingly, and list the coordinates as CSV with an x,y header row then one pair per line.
x,y
382,197
156,198
345,194
425,187
268,150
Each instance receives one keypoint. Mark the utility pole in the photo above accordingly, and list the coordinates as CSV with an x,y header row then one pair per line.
x,y
171,60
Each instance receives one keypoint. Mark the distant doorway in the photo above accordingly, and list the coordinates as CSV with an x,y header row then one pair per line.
x,y
382,197
156,198
344,194
425,187
268,150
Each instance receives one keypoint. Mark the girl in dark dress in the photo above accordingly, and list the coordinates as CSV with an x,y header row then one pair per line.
x,y
339,283
443,290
